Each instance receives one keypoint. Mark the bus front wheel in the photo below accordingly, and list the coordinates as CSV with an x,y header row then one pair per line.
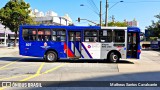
x,y
51,56
114,58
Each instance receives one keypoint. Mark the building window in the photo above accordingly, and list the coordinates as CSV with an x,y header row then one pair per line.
x,y
90,36
105,35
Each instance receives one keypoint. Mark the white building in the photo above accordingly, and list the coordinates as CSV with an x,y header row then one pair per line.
x,y
51,13
4,33
50,18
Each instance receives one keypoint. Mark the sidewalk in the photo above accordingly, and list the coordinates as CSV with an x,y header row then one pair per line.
x,y
9,51
2,46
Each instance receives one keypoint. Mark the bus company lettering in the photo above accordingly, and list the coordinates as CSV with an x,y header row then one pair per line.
x,y
106,46
95,45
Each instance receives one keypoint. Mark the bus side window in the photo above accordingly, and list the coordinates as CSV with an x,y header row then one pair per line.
x,y
44,35
40,35
90,36
25,34
119,35
47,35
29,34
53,35
58,35
58,38
105,35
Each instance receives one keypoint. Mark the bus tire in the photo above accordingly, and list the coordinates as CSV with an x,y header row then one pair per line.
x,y
114,57
51,56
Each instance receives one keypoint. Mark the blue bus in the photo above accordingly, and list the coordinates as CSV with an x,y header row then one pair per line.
x,y
79,42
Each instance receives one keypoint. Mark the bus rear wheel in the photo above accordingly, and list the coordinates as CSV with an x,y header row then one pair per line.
x,y
114,58
51,56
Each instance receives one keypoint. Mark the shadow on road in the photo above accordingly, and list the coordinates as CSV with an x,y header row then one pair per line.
x,y
21,59
94,61
103,82
31,59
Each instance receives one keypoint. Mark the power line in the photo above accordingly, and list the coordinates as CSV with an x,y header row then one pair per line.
x,y
93,7
139,1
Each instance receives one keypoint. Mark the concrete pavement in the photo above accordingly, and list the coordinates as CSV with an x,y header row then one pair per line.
x,y
9,51
15,68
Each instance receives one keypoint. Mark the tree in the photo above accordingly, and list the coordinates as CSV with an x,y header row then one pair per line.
x,y
14,14
118,24
155,27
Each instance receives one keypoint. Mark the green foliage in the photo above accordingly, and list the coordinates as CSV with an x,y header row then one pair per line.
x,y
153,38
155,27
15,13
117,24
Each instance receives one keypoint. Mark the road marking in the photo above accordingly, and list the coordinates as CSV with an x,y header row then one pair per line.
x,y
10,64
17,67
36,75
2,88
40,68
55,68
28,78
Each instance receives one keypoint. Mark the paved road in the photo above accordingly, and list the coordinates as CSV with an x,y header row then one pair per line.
x,y
17,68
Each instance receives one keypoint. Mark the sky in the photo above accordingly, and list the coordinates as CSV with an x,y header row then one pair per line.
x,y
142,10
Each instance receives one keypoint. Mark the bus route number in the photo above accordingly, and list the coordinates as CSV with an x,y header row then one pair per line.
x,y
28,44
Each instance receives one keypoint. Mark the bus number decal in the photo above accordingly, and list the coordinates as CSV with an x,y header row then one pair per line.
x,y
28,44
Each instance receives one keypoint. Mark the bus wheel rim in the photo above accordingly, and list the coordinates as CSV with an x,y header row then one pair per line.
x,y
51,57
115,57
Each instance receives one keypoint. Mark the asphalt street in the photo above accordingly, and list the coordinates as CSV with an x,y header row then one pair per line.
x,y
14,67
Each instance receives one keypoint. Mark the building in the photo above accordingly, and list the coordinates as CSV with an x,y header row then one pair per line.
x,y
50,18
133,23
6,32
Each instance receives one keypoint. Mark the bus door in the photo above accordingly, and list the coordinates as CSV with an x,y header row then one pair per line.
x,y
132,45
74,44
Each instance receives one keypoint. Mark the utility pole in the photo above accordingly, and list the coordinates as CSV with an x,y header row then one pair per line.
x,y
106,21
100,14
